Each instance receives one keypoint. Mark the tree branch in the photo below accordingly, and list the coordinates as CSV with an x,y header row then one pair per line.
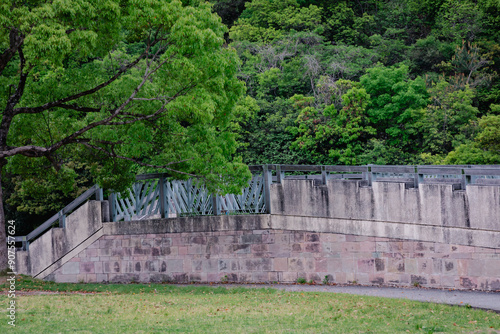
x,y
9,113
114,155
26,110
16,40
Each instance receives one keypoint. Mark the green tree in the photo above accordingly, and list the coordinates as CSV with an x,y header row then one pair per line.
x,y
265,20
121,86
447,118
485,149
331,135
394,104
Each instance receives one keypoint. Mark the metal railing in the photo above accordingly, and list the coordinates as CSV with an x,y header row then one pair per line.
x,y
462,175
155,196
60,216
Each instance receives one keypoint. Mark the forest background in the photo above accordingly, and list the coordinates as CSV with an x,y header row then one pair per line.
x,y
346,82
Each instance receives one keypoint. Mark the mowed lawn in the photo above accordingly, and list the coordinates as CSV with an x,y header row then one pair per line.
x,y
161,308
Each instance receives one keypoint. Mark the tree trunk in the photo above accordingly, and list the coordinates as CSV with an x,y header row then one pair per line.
x,y
3,234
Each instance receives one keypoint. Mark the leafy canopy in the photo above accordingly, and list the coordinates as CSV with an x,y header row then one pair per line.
x,y
116,88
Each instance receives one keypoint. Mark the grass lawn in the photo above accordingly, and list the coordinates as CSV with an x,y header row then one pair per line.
x,y
161,308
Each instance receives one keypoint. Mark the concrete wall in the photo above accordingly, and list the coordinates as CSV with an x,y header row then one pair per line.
x,y
384,234
58,245
477,207
245,249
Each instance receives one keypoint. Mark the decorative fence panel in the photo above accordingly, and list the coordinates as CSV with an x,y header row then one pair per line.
x,y
158,197
250,201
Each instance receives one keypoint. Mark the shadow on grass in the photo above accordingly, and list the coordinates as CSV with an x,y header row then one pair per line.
x,y
27,283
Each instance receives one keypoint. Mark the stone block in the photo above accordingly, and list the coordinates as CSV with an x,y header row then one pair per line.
x,y
241,249
349,265
224,265
492,267
411,266
104,251
449,266
320,264
312,247
424,266
259,248
236,265
102,277
377,279
396,265
251,239
340,278
86,268
209,265
448,281
282,238
367,246
437,266
258,264
362,278
195,249
297,236
334,265
280,264
260,277
71,268
380,265
366,266
289,277
73,278
182,250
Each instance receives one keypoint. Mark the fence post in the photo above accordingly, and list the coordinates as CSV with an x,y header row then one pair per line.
x,y
25,243
464,180
268,178
215,205
62,219
415,177
112,206
280,175
99,196
161,184
323,175
369,176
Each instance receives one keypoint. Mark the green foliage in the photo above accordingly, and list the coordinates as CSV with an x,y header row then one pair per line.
x,y
485,149
265,20
301,280
459,20
447,119
99,91
395,103
334,136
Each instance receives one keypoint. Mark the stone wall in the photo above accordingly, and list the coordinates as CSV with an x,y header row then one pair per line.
x,y
242,250
388,233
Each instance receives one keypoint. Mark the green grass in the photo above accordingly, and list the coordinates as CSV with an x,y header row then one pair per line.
x,y
161,308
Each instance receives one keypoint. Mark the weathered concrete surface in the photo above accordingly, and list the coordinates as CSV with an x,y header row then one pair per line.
x,y
478,207
387,234
50,247
484,204
374,228
190,224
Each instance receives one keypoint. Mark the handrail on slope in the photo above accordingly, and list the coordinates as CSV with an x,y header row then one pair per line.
x,y
61,216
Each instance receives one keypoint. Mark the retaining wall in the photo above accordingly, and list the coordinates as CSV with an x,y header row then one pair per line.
x,y
387,234
241,250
